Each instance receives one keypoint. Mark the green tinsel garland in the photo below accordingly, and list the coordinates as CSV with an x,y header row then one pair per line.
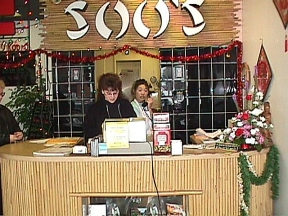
x,y
271,169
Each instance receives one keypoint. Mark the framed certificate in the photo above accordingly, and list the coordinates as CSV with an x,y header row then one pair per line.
x,y
178,72
76,74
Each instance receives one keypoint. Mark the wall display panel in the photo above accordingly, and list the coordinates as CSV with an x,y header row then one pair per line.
x,y
73,88
219,20
198,94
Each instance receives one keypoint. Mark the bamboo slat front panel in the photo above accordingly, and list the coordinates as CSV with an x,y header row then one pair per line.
x,y
55,186
220,16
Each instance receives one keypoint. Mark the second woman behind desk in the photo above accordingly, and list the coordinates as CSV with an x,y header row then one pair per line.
x,y
110,104
142,103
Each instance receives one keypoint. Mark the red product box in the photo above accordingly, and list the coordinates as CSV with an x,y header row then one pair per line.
x,y
160,118
162,141
161,127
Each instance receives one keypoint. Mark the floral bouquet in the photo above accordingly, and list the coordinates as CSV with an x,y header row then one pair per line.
x,y
248,127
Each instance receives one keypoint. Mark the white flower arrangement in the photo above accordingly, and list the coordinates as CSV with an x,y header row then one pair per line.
x,y
247,126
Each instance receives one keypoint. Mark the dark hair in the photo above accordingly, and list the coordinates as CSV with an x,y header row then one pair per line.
x,y
138,83
109,80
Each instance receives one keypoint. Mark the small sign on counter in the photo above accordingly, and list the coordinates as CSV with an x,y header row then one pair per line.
x,y
117,134
176,147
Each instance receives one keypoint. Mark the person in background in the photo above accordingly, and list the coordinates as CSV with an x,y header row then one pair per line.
x,y
142,102
9,128
110,104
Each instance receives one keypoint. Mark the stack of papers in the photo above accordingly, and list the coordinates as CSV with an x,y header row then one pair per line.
x,y
61,141
207,144
54,151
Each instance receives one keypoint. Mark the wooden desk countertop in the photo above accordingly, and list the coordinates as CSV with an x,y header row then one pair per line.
x,y
57,185
24,151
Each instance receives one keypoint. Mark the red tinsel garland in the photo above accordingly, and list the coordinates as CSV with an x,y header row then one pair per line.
x,y
76,59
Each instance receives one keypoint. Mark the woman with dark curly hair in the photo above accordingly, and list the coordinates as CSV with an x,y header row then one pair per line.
x,y
110,104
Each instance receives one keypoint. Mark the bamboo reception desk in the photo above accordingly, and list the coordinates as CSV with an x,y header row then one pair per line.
x,y
54,186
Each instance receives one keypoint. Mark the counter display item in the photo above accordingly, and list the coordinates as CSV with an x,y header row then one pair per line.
x,y
162,133
162,142
94,145
176,147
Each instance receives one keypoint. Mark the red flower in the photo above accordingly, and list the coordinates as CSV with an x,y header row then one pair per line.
x,y
249,97
245,116
245,146
239,132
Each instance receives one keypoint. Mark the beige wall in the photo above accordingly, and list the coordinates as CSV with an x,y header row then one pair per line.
x,y
149,67
261,20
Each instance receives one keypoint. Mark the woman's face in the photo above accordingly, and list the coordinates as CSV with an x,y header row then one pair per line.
x,y
111,95
141,93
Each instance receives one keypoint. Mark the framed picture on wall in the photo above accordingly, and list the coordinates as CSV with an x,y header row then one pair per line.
x,y
178,72
76,74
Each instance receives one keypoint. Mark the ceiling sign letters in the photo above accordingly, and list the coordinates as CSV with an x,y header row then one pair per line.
x,y
109,24
140,27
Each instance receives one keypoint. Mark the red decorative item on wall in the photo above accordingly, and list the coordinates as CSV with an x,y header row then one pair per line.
x,y
7,8
263,73
282,8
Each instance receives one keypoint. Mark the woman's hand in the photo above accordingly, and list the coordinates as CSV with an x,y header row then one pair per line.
x,y
13,138
150,102
19,135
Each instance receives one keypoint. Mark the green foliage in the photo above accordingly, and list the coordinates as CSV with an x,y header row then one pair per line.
x,y
271,171
239,140
21,103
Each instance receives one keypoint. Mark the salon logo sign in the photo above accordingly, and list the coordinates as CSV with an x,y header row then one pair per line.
x,y
144,31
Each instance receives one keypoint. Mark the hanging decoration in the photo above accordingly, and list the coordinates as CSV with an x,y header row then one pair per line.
x,y
263,72
248,177
38,66
282,8
75,59
79,60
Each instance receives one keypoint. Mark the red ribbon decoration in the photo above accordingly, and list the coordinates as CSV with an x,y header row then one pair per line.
x,y
75,59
